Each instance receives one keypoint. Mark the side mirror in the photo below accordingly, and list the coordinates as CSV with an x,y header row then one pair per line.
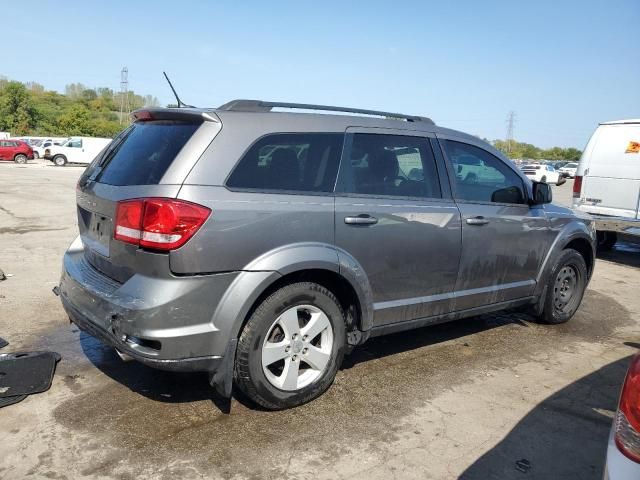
x,y
541,193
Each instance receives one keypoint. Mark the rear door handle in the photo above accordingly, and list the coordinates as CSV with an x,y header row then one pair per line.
x,y
477,221
361,220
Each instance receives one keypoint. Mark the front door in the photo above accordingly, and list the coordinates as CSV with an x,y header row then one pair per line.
x,y
391,216
503,238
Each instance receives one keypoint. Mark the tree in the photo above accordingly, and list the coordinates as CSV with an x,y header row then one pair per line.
x,y
17,112
76,121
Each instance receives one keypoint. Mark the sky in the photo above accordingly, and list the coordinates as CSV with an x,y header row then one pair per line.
x,y
562,66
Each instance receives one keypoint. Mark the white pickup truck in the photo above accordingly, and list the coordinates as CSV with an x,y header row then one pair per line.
x,y
607,181
76,150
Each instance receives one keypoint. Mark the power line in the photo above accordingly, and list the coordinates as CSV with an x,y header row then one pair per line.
x,y
125,108
511,121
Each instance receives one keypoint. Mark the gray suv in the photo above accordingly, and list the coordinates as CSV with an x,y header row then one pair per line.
x,y
261,246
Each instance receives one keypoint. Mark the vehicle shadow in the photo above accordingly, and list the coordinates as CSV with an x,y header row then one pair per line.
x,y
177,387
168,387
624,253
563,437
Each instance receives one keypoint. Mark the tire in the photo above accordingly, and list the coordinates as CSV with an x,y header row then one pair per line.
x,y
565,288
289,381
544,179
36,155
20,158
606,240
60,160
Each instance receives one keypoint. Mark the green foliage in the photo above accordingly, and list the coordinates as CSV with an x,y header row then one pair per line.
x,y
531,152
29,109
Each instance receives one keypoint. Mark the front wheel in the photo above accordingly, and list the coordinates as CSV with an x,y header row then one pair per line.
x,y
565,288
36,155
290,349
20,158
59,160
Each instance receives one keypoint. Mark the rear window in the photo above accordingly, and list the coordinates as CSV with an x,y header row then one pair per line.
x,y
305,162
143,154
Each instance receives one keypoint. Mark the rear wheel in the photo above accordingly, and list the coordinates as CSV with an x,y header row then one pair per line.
x,y
20,158
544,179
606,240
291,347
36,155
60,160
565,288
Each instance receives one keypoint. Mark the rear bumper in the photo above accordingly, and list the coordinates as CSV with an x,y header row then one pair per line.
x,y
629,226
162,322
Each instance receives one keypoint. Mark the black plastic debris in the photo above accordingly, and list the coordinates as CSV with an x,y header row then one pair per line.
x,y
24,373
6,401
3,342
523,465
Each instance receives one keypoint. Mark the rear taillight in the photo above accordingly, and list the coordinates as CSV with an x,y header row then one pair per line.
x,y
577,186
627,422
158,223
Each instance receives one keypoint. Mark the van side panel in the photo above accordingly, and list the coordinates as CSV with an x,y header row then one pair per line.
x,y
611,173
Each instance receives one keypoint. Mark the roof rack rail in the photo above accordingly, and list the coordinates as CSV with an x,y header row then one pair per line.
x,y
262,106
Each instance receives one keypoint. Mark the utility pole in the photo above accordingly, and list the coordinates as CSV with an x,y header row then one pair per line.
x,y
511,121
124,94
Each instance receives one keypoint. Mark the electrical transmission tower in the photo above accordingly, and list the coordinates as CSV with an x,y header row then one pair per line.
x,y
125,108
511,121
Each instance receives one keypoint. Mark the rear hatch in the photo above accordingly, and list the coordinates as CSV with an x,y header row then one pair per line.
x,y
150,159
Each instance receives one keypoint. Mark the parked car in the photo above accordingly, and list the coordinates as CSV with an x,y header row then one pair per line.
x,y
261,246
15,150
623,451
569,170
607,181
41,148
540,172
76,150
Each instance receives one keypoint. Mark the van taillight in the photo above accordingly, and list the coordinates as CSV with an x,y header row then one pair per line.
x,y
577,186
158,223
627,422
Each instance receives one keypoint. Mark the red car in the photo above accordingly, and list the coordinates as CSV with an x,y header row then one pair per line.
x,y
15,150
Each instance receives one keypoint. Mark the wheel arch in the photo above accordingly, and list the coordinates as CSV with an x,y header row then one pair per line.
x,y
576,235
316,262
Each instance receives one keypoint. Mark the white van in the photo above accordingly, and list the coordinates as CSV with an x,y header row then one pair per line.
x,y
607,182
76,150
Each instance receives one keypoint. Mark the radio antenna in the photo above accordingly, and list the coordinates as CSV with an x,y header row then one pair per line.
x,y
180,102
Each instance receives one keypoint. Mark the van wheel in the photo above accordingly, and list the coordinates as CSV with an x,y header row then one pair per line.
x,y
565,288
606,241
20,158
60,160
290,349
544,179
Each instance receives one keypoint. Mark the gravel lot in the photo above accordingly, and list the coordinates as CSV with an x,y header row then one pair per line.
x,y
468,399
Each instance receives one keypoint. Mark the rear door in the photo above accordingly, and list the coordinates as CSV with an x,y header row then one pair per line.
x,y
394,217
503,238
611,181
149,159
4,150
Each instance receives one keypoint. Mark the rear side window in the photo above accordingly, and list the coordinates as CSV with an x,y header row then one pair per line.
x,y
391,165
300,162
144,153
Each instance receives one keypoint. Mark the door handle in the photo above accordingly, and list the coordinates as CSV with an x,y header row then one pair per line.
x,y
361,220
477,221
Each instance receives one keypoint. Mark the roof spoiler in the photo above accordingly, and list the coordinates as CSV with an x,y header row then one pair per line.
x,y
185,114
262,106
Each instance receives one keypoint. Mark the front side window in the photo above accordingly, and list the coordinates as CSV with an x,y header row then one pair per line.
x,y
481,176
74,143
390,165
300,162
